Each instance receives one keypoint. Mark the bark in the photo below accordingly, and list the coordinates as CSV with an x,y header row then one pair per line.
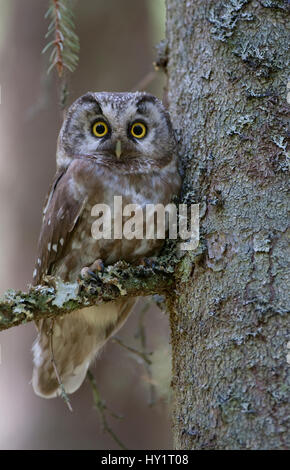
x,y
227,78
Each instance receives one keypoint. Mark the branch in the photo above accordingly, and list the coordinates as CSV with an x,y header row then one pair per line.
x,y
56,298
101,408
142,355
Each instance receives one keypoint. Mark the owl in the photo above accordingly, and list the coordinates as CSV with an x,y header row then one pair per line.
x,y
110,144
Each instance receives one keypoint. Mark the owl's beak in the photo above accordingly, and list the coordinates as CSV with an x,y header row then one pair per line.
x,y
118,149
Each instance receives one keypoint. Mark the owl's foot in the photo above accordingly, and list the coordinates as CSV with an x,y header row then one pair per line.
x,y
97,266
89,273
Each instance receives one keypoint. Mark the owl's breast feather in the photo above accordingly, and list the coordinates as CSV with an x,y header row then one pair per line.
x,y
82,249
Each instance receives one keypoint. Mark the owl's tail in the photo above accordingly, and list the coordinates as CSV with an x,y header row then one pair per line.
x,y
69,344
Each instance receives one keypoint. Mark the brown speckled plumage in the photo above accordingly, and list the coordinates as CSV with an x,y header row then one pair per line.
x,y
89,173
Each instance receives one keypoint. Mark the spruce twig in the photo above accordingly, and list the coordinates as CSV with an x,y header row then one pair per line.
x,y
65,42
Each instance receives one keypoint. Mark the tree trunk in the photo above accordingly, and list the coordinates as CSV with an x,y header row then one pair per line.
x,y
227,87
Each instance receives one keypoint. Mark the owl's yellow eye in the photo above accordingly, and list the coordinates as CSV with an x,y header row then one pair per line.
x,y
138,130
100,129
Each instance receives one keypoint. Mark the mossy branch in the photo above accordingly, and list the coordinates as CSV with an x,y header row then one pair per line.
x,y
55,298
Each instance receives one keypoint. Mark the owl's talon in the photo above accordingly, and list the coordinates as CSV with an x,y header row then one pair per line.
x,y
87,274
84,273
91,273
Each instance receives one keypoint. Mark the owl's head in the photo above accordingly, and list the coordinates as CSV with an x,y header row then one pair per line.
x,y
116,128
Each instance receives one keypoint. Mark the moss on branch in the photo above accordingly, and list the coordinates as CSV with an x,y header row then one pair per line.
x,y
56,298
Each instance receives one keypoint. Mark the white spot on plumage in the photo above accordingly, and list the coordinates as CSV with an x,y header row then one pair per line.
x,y
39,261
35,273
54,247
49,246
61,241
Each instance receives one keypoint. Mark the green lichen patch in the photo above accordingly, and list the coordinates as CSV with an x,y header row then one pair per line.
x,y
65,292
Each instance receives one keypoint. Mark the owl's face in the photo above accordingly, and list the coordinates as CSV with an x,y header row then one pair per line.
x,y
116,126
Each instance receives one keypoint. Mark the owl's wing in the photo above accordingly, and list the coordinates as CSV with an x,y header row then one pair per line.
x,y
61,212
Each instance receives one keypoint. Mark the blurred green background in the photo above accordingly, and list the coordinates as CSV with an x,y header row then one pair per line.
x,y
117,50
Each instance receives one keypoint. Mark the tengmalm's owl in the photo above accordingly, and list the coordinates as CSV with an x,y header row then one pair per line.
x,y
110,144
